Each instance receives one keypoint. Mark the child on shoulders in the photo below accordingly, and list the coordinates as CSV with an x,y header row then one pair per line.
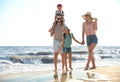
x,y
58,13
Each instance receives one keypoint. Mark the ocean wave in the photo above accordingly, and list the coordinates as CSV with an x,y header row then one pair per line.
x,y
5,62
79,52
106,57
40,59
107,51
25,59
47,59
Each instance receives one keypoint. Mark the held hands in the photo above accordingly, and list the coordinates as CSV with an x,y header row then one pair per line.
x,y
83,42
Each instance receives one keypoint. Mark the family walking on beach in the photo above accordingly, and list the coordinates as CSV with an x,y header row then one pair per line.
x,y
63,38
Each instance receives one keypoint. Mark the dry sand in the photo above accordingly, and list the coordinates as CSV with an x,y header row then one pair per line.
x,y
112,72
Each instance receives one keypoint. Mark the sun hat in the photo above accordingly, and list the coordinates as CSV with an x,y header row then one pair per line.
x,y
87,14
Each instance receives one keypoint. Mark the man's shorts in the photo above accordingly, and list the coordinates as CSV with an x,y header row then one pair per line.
x,y
56,45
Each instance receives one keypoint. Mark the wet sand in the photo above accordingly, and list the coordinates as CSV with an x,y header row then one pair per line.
x,y
101,74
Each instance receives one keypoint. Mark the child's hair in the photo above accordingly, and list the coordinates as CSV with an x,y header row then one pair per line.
x,y
64,35
59,5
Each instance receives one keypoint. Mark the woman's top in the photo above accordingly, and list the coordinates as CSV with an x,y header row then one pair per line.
x,y
89,29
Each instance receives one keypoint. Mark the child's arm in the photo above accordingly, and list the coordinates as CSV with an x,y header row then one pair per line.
x,y
51,30
75,39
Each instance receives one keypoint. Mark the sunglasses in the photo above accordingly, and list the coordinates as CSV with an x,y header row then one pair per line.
x,y
59,18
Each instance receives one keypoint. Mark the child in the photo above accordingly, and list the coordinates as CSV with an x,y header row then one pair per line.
x,y
59,12
66,45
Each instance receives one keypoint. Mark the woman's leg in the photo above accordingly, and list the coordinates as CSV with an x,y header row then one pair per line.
x,y
70,61
93,62
91,55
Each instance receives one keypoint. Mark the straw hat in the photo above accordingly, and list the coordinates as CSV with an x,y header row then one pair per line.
x,y
87,14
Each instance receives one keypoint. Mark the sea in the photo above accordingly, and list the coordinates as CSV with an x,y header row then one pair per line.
x,y
21,59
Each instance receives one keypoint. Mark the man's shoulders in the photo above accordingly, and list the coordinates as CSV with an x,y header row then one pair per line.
x,y
65,26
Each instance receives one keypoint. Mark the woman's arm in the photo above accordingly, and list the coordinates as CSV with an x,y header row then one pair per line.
x,y
95,24
83,34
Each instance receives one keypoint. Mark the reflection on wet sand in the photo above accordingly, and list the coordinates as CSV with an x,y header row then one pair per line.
x,y
90,75
94,77
63,77
81,77
56,77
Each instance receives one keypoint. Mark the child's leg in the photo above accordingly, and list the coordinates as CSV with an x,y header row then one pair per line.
x,y
51,30
66,61
70,61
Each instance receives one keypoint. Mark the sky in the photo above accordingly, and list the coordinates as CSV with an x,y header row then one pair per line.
x,y
26,22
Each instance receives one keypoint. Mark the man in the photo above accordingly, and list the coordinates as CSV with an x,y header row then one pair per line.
x,y
57,33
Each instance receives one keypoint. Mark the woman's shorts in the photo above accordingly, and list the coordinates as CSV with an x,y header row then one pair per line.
x,y
91,39
67,50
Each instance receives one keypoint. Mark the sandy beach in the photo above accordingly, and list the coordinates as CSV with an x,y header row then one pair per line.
x,y
111,72
101,74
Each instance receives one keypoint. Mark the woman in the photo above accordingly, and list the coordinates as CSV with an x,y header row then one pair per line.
x,y
89,28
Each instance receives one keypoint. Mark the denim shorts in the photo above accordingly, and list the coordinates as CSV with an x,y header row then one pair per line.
x,y
91,39
67,50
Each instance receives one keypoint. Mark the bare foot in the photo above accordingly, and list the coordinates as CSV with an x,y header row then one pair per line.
x,y
67,70
93,68
71,68
86,68
55,70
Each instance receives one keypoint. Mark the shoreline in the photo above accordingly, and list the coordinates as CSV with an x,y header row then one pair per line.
x,y
100,74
